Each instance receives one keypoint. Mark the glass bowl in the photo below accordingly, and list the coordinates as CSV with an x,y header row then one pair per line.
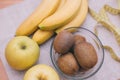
x,y
91,38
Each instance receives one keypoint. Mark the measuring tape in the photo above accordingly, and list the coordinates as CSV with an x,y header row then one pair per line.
x,y
103,19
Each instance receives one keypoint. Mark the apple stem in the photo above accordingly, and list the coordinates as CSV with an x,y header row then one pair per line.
x,y
23,47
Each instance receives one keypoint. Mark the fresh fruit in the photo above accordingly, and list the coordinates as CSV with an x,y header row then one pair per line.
x,y
86,55
78,39
62,16
45,9
63,42
41,36
78,20
22,52
68,64
41,72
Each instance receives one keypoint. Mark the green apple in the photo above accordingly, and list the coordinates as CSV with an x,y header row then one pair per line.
x,y
22,52
41,72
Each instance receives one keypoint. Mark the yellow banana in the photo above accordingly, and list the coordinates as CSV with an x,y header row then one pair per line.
x,y
62,2
45,9
62,16
78,20
41,36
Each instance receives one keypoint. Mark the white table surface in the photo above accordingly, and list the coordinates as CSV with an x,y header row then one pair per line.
x,y
13,16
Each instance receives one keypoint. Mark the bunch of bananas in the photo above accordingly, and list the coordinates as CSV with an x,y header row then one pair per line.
x,y
53,16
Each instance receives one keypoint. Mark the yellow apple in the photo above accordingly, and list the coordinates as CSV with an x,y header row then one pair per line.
x,y
41,72
22,52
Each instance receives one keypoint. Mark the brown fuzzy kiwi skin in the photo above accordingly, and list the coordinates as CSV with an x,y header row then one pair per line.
x,y
63,42
79,38
86,55
68,64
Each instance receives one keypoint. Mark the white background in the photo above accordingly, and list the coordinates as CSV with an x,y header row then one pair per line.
x,y
12,17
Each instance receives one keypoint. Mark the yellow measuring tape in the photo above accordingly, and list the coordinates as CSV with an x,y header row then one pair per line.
x,y
103,19
112,10
112,53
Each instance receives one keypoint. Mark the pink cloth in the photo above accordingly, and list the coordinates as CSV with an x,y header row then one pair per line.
x,y
3,74
6,3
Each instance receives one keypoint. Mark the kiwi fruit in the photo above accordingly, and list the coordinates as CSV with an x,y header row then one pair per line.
x,y
68,64
78,39
63,42
86,55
